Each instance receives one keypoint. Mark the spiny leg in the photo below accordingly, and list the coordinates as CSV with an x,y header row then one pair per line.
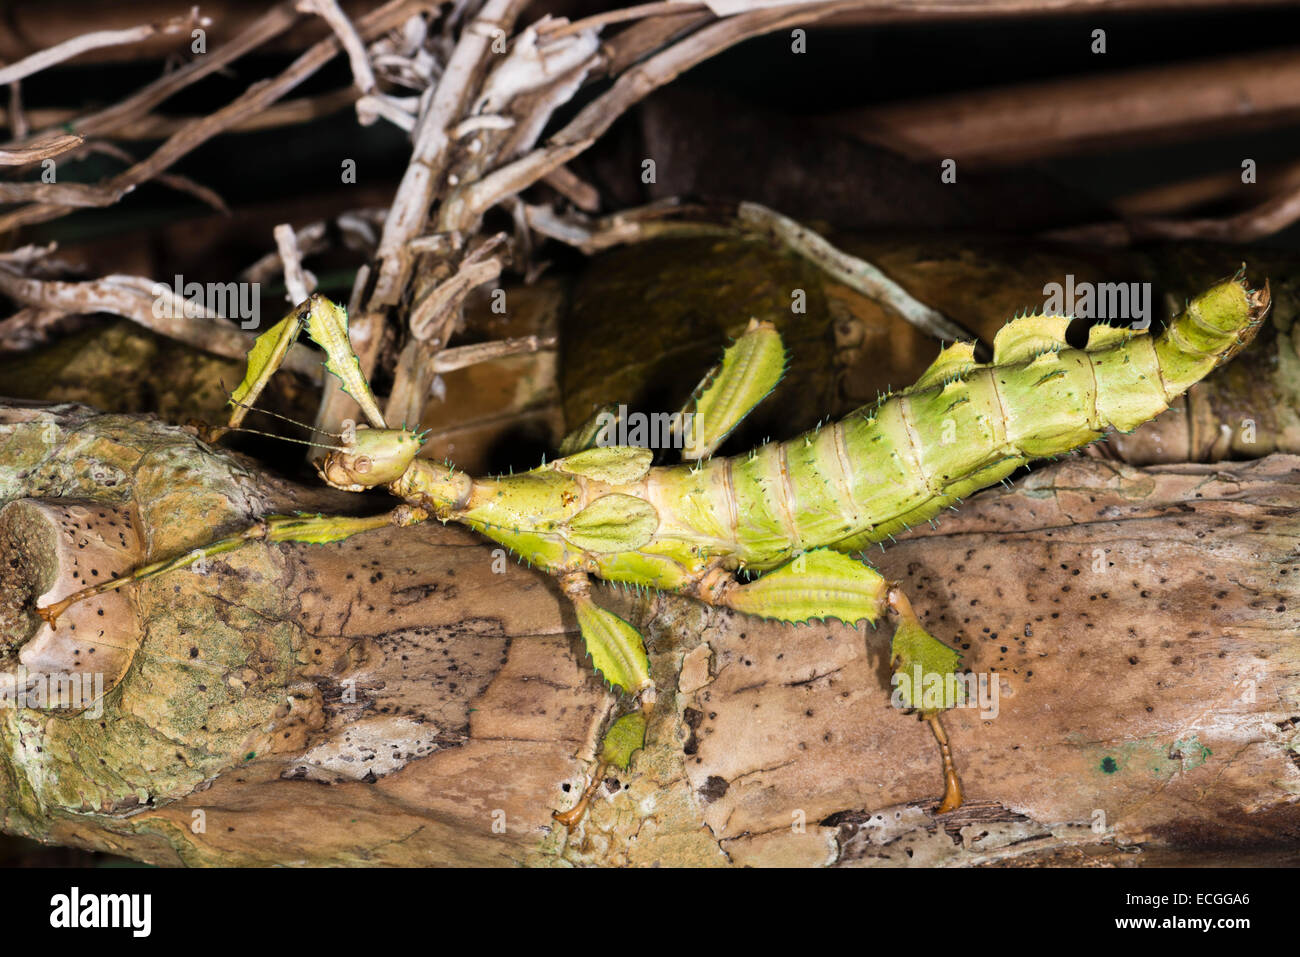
x,y
616,648
750,369
624,738
824,584
307,529
914,648
618,652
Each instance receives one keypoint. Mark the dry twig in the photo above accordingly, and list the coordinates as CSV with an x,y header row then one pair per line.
x,y
257,97
853,272
55,146
1269,217
151,304
274,22
297,282
1015,124
92,41
434,315
328,10
460,357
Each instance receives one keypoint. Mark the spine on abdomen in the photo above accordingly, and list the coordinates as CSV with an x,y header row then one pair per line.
x,y
965,426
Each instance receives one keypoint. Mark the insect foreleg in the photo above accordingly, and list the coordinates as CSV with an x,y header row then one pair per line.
x,y
327,324
308,529
618,652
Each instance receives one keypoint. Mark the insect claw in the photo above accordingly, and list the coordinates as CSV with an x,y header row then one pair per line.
x,y
573,817
952,794
51,613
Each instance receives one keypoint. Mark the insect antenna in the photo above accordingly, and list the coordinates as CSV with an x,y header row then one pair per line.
x,y
286,438
285,418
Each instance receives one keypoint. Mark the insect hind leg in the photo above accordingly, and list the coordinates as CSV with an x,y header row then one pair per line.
x,y
814,585
823,584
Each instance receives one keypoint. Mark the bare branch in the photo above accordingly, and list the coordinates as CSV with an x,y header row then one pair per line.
x,y
17,115
297,285
657,220
257,97
482,121
559,28
463,356
428,158
644,78
43,150
151,304
434,313
673,219
1019,123
26,255
275,21
1271,216
27,328
93,195
363,77
634,85
92,41
153,126
653,33
573,188
67,194
507,181
397,110
407,218
357,228
853,272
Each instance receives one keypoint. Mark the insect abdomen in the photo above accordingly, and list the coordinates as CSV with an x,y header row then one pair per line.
x,y
926,448
966,426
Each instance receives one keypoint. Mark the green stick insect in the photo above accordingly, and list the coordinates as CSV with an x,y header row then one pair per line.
x,y
794,511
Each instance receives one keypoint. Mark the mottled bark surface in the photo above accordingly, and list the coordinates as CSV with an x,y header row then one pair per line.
x,y
402,698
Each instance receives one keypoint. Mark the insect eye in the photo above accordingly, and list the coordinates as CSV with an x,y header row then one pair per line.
x,y
362,465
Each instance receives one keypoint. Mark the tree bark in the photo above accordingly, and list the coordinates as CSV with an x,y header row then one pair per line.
x,y
405,697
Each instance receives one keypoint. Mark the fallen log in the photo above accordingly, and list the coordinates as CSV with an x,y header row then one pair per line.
x,y
409,697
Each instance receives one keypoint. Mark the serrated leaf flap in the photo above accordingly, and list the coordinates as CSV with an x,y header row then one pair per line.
x,y
1022,339
616,648
952,362
818,584
264,358
923,664
624,739
613,523
327,324
1105,336
617,465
